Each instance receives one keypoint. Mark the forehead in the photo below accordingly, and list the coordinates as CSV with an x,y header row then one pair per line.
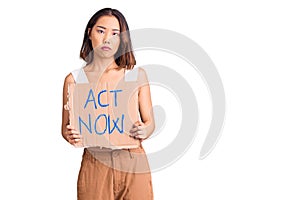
x,y
109,22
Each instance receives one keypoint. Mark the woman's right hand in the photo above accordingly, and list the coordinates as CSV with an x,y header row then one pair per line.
x,y
72,136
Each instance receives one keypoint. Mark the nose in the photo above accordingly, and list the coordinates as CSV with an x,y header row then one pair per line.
x,y
106,39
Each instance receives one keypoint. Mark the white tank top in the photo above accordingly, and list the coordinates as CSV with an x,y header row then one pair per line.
x,y
79,75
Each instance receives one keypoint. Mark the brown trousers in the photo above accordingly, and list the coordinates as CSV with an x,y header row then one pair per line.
x,y
114,175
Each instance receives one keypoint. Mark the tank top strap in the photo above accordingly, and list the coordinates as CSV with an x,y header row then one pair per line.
x,y
131,75
79,76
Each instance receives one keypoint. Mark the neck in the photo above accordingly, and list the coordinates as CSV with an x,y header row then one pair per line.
x,y
102,64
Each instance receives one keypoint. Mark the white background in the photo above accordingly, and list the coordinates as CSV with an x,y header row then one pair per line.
x,y
255,46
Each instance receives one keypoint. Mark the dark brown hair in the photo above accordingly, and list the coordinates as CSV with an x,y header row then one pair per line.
x,y
124,57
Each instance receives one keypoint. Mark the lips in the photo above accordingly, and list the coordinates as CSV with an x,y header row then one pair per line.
x,y
105,48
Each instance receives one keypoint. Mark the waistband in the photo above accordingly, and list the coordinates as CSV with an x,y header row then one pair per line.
x,y
128,160
107,154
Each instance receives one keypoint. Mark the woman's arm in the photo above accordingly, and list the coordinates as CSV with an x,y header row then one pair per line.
x,y
143,129
69,133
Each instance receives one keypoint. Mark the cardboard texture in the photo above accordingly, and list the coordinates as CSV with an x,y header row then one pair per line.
x,y
104,113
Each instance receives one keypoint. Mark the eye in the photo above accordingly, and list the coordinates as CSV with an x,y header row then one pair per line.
x,y
100,31
115,34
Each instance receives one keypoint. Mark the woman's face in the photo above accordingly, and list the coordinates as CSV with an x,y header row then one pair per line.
x,y
105,36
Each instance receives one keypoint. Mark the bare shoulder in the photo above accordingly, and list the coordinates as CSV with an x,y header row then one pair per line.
x,y
142,73
69,78
142,76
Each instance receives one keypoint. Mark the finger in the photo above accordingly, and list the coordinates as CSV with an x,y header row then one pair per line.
x,y
75,136
140,136
75,141
66,135
137,123
138,128
72,139
70,127
71,131
74,131
136,133
133,134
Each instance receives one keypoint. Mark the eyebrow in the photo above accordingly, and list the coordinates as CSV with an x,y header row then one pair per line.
x,y
105,28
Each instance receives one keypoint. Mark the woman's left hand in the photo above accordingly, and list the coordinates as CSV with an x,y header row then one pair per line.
x,y
138,130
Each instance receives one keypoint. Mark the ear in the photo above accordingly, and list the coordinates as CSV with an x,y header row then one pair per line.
x,y
89,33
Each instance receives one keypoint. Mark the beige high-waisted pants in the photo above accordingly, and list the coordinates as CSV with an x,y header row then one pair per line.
x,y
114,175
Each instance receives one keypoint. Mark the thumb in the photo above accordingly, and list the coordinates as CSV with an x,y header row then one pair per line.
x,y
138,123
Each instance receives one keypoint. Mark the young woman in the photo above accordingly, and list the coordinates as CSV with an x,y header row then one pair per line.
x,y
111,173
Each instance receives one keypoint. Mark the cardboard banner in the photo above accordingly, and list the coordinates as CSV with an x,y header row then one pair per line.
x,y
104,113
